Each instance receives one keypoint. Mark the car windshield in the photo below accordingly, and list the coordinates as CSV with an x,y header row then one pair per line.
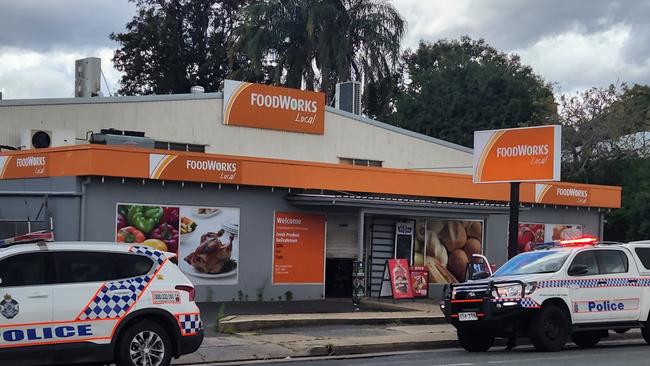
x,y
533,262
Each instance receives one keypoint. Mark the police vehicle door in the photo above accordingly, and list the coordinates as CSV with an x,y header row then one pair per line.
x,y
25,308
599,287
623,294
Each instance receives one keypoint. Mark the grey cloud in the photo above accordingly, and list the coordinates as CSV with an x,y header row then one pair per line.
x,y
45,25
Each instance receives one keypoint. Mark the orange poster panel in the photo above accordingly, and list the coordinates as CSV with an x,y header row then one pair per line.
x,y
298,248
517,155
272,107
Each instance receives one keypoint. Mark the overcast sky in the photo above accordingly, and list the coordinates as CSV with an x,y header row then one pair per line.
x,y
576,44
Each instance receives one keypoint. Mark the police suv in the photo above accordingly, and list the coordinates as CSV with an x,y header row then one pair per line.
x,y
576,289
67,303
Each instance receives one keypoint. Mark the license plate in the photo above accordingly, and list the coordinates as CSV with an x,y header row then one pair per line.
x,y
464,317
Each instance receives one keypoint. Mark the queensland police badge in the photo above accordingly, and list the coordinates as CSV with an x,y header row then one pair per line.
x,y
9,307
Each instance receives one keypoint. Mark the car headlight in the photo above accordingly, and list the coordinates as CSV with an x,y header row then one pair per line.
x,y
514,290
453,294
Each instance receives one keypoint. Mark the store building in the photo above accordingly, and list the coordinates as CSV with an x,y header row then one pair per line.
x,y
266,202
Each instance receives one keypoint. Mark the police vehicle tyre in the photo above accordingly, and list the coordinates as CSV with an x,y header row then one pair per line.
x,y
474,341
147,341
549,329
585,339
645,332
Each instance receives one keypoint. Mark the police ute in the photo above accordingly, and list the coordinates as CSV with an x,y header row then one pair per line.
x,y
574,289
93,303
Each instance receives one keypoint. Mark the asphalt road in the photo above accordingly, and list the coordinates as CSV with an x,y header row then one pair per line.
x,y
625,352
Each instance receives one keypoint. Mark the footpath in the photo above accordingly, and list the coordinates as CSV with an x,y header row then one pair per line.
x,y
263,331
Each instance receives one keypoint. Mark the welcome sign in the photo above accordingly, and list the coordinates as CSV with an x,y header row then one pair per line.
x,y
275,108
518,155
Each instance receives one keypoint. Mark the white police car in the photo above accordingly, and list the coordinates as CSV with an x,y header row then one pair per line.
x,y
67,303
577,289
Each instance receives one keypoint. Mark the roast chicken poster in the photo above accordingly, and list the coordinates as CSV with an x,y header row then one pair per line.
x,y
206,239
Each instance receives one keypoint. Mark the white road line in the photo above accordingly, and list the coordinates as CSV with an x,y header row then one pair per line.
x,y
456,364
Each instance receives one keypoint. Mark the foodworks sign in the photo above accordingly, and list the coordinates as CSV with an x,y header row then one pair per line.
x,y
517,155
275,108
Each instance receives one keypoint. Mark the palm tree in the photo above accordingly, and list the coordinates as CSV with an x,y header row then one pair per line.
x,y
317,43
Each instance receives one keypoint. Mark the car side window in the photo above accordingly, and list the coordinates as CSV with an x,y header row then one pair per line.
x,y
77,266
588,260
27,269
612,261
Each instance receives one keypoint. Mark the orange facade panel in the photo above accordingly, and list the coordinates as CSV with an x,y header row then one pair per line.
x,y
99,160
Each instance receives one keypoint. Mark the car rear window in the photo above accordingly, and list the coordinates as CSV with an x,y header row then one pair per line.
x,y
644,256
79,266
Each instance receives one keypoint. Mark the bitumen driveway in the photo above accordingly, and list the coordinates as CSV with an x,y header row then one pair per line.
x,y
623,352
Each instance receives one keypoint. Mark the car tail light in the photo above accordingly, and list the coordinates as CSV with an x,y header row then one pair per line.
x,y
188,289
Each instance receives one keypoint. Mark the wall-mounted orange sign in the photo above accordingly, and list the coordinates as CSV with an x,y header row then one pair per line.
x,y
272,107
27,166
562,194
517,155
195,168
298,248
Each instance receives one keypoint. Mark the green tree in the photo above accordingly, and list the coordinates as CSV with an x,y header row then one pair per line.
x,y
454,87
171,45
317,43
601,126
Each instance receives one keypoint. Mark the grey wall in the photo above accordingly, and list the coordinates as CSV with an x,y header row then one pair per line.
x,y
257,206
21,200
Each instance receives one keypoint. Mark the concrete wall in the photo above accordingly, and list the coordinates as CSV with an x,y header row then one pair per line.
x,y
198,119
257,206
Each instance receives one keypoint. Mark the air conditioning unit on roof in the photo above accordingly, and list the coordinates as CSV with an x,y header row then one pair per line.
x,y
41,138
348,97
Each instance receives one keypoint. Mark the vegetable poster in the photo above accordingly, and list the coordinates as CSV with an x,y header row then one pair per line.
x,y
206,239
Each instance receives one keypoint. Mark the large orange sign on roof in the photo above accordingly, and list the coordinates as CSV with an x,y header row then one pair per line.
x,y
517,155
271,107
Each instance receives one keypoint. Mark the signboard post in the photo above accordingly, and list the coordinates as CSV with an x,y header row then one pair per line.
x,y
529,154
358,282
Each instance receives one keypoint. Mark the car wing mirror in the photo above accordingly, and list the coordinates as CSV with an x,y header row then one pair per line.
x,y
578,270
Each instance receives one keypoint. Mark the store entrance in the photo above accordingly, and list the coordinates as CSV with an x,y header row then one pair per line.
x,y
338,277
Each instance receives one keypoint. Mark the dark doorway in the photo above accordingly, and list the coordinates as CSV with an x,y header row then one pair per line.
x,y
338,278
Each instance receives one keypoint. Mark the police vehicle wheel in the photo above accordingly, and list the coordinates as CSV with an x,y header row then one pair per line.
x,y
144,344
645,332
474,341
549,329
585,339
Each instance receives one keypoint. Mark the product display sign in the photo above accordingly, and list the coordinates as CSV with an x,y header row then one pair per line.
x,y
298,248
206,239
518,154
530,234
444,247
400,279
272,107
420,281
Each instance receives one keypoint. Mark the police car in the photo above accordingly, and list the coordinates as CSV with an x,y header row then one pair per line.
x,y
80,302
577,289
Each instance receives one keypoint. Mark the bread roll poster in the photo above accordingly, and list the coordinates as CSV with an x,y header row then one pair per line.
x,y
445,246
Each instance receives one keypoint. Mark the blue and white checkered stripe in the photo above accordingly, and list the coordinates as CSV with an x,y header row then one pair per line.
x,y
157,256
190,323
593,283
115,299
528,303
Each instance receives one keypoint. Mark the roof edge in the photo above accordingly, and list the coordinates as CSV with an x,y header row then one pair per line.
x,y
116,99
400,130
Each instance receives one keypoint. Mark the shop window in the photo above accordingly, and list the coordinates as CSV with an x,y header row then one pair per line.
x,y
360,162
